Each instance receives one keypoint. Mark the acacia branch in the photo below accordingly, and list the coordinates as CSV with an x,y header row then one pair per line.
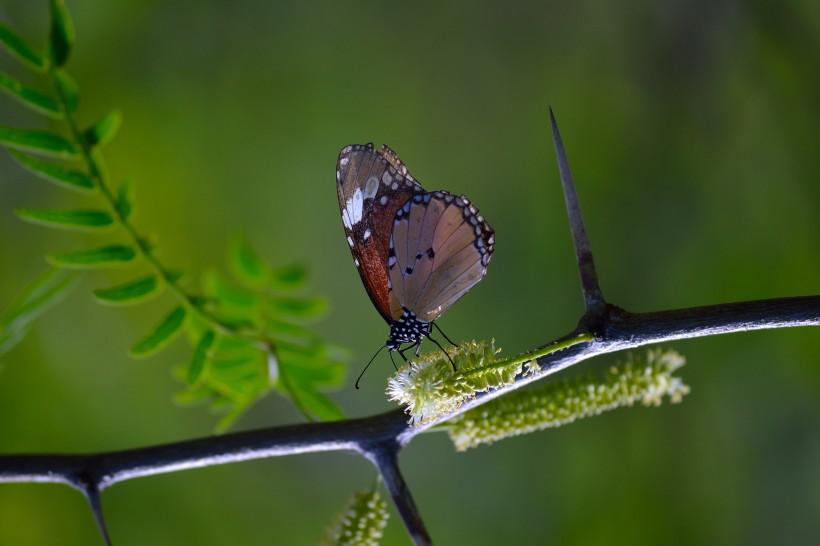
x,y
390,431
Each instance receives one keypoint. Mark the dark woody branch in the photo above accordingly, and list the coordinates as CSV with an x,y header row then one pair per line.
x,y
381,437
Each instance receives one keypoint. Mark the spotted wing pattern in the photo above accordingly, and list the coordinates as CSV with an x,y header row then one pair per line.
x,y
439,249
372,186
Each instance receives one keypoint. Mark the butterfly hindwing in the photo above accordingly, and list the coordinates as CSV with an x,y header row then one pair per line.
x,y
372,186
439,249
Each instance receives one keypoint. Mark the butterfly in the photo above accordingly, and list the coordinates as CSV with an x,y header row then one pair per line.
x,y
417,252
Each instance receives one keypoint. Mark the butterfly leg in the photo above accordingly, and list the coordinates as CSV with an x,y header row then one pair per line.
x,y
443,351
440,331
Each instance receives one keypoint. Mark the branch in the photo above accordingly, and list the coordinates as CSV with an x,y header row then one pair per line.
x,y
622,330
385,458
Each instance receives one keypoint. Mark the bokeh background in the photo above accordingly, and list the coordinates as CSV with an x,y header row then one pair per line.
x,y
692,128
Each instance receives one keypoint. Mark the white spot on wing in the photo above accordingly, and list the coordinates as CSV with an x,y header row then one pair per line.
x,y
366,234
371,187
354,206
350,241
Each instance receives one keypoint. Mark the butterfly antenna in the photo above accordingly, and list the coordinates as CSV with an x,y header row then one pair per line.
x,y
440,331
443,351
368,365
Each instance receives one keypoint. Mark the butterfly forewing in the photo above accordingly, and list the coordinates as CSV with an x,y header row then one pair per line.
x,y
372,186
440,248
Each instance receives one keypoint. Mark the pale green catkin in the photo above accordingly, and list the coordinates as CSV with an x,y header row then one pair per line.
x,y
637,380
430,388
360,523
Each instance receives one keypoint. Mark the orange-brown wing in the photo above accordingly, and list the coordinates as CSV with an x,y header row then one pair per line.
x,y
372,185
439,250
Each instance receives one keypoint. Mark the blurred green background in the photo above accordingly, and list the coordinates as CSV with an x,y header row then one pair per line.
x,y
692,128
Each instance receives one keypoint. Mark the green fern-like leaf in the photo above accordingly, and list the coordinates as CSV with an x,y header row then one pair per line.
x,y
67,89
282,352
81,220
30,98
125,200
61,38
104,130
250,335
41,142
20,49
201,357
162,334
107,256
61,176
130,293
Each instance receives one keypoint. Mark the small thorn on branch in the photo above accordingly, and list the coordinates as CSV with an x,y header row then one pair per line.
x,y
593,297
92,495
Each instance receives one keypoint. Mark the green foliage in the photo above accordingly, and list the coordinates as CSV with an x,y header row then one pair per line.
x,y
20,49
41,142
61,38
106,256
130,293
61,176
66,89
104,130
162,334
360,523
30,98
269,345
125,200
201,357
527,410
82,220
45,291
248,335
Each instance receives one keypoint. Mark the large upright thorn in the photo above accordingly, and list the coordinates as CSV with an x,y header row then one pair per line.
x,y
593,297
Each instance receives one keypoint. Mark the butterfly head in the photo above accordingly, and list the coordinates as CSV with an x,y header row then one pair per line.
x,y
408,329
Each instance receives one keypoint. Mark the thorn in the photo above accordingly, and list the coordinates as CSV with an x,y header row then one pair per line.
x,y
92,495
593,297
